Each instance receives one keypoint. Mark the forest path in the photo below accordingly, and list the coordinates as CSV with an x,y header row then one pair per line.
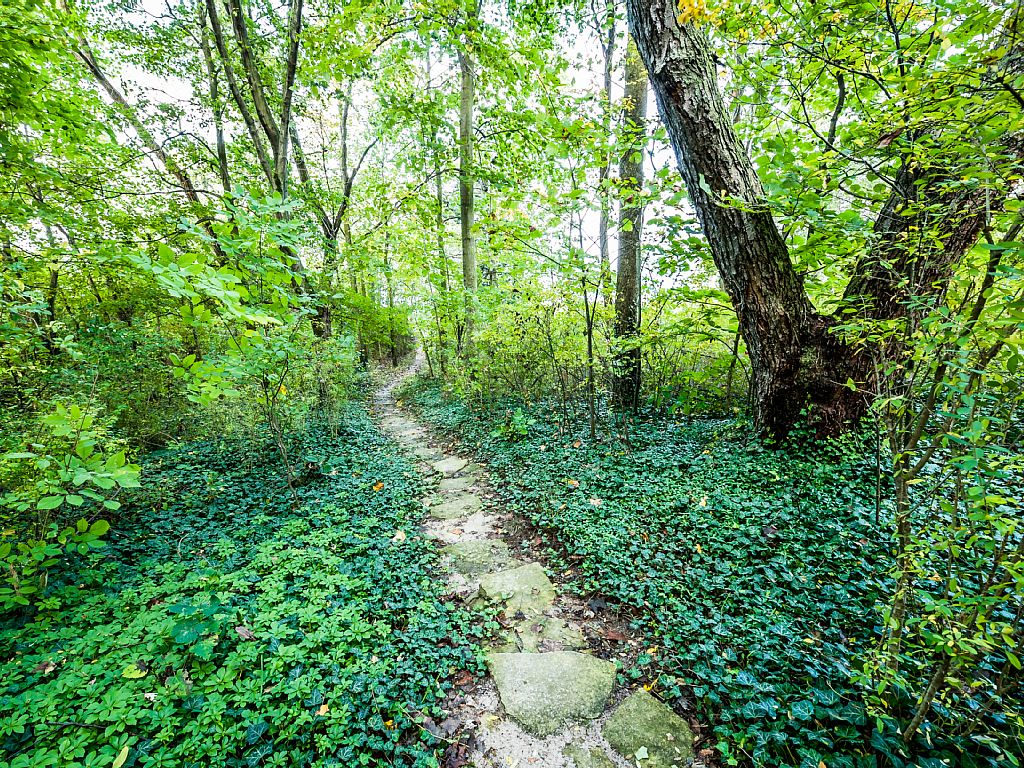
x,y
546,702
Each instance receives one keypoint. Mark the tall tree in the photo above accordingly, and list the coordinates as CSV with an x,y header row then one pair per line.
x,y
798,362
607,32
467,99
627,367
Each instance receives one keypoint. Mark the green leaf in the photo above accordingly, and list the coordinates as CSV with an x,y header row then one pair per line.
x,y
50,502
122,756
135,671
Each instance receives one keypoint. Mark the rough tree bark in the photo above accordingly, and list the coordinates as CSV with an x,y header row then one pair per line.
x,y
606,26
466,197
467,100
796,362
627,367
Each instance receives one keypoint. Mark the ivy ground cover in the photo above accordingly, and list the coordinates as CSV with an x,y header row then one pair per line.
x,y
752,572
223,626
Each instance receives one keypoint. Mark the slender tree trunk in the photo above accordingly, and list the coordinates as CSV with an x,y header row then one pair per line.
x,y
216,105
466,189
604,174
627,365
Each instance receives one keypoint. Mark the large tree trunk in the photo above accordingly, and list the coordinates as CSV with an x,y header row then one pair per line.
x,y
626,370
796,363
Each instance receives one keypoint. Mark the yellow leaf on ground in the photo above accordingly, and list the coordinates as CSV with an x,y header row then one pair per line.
x,y
324,709
122,756
378,486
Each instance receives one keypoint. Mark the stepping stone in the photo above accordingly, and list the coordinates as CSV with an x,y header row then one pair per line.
x,y
641,721
426,453
449,466
581,757
525,589
479,525
472,558
397,424
456,483
540,635
460,506
544,691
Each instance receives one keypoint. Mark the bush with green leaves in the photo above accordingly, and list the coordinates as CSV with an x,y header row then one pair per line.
x,y
77,470
223,626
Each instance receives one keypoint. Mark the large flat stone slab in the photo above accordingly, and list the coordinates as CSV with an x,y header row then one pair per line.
x,y
426,453
540,634
399,424
449,484
582,757
525,589
545,691
450,466
479,525
472,558
641,721
458,506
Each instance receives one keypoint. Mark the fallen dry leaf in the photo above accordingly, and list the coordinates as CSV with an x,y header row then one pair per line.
x,y
245,633
324,709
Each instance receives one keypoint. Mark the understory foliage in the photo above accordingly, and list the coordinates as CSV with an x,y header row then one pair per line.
x,y
756,574
224,625
217,215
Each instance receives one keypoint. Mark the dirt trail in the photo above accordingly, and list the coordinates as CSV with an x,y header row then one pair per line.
x,y
546,702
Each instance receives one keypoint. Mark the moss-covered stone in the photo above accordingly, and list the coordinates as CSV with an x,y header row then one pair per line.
x,y
545,691
456,484
525,590
539,635
642,723
471,558
457,506
581,757
450,466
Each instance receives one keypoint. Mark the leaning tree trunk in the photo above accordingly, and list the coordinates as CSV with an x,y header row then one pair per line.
x,y
626,370
797,364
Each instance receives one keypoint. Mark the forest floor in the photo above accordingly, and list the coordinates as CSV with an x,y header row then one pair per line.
x,y
552,697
